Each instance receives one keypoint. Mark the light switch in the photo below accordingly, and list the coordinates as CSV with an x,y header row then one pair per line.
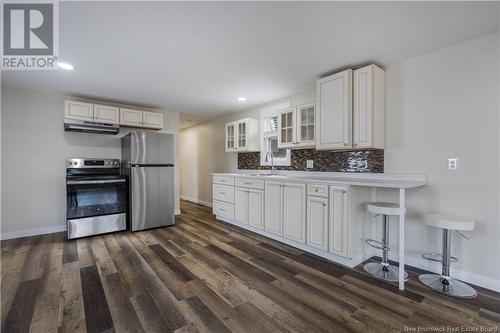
x,y
309,164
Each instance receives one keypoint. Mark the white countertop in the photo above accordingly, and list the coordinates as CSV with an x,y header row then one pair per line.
x,y
342,178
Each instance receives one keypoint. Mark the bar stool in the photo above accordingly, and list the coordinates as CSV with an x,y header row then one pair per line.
x,y
383,270
444,283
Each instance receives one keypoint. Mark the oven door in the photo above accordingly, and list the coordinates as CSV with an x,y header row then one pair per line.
x,y
95,206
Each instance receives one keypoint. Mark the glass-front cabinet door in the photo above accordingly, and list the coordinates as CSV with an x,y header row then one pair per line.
x,y
242,134
286,128
305,124
230,137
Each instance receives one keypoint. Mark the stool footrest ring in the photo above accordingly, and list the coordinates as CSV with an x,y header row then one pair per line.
x,y
437,257
377,244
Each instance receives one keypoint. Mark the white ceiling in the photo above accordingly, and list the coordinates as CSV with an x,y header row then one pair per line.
x,y
197,58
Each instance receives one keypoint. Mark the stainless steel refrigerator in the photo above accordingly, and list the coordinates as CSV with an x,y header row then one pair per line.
x,y
148,164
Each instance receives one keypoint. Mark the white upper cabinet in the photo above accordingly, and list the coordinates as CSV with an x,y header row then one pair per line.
x,y
230,136
286,128
129,117
368,114
306,115
152,120
242,135
296,127
106,114
334,111
78,110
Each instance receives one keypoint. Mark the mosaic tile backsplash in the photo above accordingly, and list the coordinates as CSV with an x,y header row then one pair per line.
x,y
324,160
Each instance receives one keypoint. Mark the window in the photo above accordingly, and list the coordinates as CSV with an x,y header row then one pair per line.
x,y
269,136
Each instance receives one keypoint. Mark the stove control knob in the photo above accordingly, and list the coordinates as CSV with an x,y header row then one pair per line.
x,y
74,163
68,163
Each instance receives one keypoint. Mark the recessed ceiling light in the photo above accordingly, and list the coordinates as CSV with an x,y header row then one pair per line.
x,y
66,66
242,99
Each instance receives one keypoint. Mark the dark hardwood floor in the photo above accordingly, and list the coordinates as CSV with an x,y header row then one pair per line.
x,y
207,276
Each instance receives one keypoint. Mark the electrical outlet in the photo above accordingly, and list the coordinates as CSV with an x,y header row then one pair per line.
x,y
309,164
453,164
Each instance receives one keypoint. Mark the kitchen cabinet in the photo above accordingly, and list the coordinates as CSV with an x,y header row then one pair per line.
x,y
129,117
368,109
240,205
230,136
152,120
337,221
294,213
78,110
143,119
243,135
249,206
106,114
273,207
285,209
317,222
296,127
324,218
334,111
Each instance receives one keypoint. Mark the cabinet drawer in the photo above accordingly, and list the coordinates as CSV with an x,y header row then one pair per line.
x,y
317,190
223,209
223,180
223,193
259,184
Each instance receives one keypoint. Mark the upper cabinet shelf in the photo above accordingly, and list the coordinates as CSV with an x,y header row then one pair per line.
x,y
350,109
84,111
243,135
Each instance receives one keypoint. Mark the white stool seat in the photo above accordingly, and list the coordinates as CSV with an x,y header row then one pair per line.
x,y
449,222
384,208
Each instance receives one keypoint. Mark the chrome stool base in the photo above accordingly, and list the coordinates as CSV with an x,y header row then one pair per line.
x,y
448,286
385,272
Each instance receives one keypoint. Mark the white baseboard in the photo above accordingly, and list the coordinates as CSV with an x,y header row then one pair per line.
x,y
195,200
33,232
435,267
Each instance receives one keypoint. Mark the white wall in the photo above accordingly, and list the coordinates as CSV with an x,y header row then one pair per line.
x,y
34,149
442,104
202,150
446,104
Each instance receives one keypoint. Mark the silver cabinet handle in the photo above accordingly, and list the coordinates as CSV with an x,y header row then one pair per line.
x,y
222,192
222,209
324,204
345,143
248,183
354,144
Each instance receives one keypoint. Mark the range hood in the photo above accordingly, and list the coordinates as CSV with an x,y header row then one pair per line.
x,y
83,126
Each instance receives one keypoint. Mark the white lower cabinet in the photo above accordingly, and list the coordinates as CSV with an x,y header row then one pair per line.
x,y
294,211
249,206
317,222
337,222
255,212
273,209
285,210
313,217
240,205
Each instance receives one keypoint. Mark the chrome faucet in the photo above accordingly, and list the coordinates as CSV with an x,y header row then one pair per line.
x,y
270,155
